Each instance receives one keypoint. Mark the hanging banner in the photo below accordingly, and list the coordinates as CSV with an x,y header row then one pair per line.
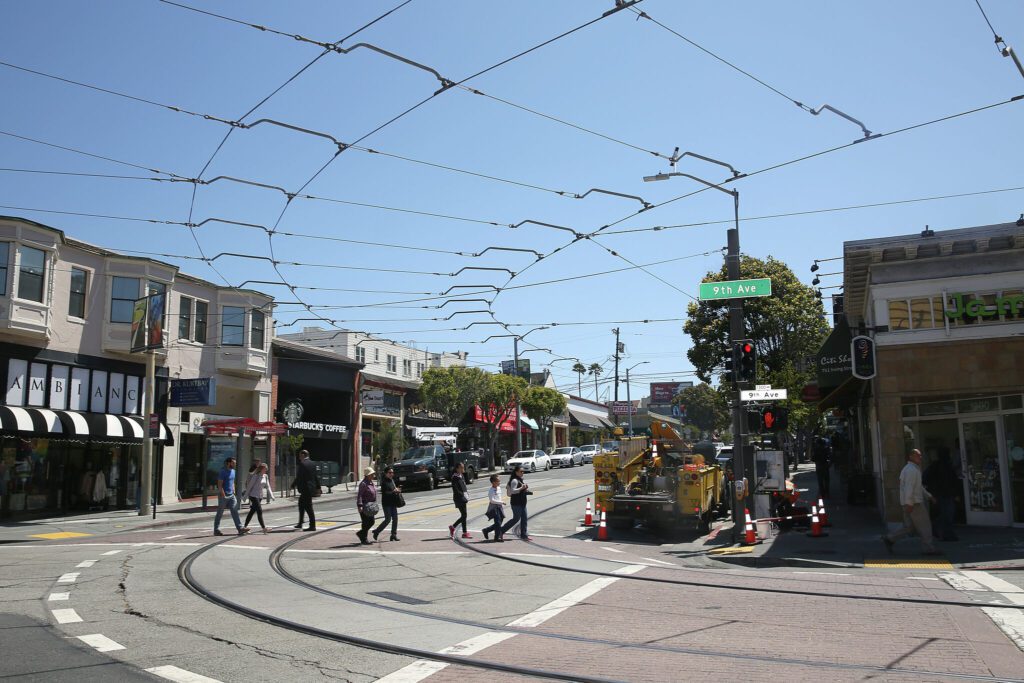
x,y
862,352
148,323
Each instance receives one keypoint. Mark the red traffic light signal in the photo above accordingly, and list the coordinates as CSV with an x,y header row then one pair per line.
x,y
774,419
746,360
768,419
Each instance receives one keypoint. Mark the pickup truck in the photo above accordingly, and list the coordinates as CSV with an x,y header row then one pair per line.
x,y
428,466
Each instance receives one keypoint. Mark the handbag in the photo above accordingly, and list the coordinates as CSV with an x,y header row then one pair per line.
x,y
399,500
371,509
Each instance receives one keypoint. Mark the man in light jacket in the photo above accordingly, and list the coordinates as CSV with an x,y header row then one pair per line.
x,y
913,498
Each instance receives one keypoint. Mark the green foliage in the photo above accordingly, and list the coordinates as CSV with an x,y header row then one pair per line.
x,y
580,369
542,404
293,442
453,391
595,369
706,408
498,401
388,442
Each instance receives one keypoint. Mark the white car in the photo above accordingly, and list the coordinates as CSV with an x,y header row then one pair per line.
x,y
530,460
569,456
589,451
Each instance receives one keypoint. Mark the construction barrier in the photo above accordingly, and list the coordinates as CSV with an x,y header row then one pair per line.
x,y
602,531
588,516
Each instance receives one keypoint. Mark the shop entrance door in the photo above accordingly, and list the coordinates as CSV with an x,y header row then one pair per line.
x,y
985,476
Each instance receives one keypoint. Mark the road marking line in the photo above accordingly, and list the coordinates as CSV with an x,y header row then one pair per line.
x,y
68,578
1010,622
556,607
173,673
925,578
113,552
824,573
962,583
613,550
167,538
992,582
378,552
55,597
564,557
651,559
66,616
85,564
631,569
100,642
424,668
59,534
246,547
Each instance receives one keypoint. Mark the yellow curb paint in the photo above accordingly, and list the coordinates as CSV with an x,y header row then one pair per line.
x,y
732,551
60,534
907,564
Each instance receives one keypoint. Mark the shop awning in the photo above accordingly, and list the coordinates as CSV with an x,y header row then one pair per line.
x,y
68,424
586,420
529,423
843,396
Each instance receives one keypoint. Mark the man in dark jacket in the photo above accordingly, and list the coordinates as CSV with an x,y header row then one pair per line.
x,y
822,458
305,482
940,479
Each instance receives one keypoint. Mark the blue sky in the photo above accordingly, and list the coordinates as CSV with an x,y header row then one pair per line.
x,y
890,65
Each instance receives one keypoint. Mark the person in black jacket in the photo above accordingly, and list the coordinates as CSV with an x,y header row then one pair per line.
x,y
305,482
518,490
460,495
941,481
822,457
389,503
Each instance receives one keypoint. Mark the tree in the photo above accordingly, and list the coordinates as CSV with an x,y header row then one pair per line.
x,y
387,441
542,404
453,391
706,408
595,370
580,369
498,402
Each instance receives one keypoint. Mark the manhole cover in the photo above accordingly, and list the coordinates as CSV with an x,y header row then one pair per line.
x,y
398,597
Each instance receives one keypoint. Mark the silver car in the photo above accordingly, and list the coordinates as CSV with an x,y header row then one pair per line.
x,y
589,451
569,456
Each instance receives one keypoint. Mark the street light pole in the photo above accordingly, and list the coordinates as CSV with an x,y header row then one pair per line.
x,y
629,401
519,426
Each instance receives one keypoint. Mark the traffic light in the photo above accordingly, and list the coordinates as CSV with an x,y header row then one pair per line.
x,y
746,361
754,422
774,419
729,375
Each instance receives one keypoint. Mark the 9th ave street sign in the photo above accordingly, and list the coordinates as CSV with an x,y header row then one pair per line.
x,y
763,395
735,289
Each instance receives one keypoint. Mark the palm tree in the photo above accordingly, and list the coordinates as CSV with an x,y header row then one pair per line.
x,y
595,370
580,369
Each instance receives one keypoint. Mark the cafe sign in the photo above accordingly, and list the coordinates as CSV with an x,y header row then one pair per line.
x,y
862,353
960,306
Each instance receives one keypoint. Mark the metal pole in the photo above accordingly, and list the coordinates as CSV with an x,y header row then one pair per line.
x,y
519,428
616,331
629,404
736,333
146,493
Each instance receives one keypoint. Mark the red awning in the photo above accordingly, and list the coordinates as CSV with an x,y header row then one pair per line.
x,y
245,425
507,425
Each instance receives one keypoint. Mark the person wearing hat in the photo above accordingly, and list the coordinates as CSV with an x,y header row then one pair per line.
x,y
366,503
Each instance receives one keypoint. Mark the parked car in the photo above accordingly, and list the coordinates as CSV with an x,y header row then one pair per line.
x,y
569,456
530,460
427,466
724,455
589,451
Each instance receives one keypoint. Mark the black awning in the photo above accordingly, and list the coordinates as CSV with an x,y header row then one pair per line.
x,y
845,395
68,424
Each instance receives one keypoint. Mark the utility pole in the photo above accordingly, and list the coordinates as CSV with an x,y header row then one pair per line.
x,y
736,333
519,426
618,348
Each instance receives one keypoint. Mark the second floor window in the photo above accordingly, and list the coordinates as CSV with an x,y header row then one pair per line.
x,y
185,317
407,367
202,309
259,323
232,326
31,274
76,298
376,355
419,369
392,363
123,293
5,258
361,354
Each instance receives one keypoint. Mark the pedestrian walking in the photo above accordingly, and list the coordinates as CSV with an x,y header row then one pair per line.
x,y
305,482
822,458
389,493
366,503
495,509
913,497
226,498
517,490
256,487
460,496
941,481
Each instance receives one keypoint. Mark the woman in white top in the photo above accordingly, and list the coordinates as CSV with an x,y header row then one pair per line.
x,y
255,485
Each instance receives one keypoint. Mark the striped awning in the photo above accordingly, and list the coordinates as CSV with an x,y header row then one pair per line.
x,y
68,424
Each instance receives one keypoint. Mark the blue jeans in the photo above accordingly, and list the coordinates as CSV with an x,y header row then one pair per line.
x,y
499,517
390,515
518,517
231,503
947,518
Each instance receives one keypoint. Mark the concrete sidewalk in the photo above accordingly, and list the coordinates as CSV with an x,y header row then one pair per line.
x,y
853,540
187,513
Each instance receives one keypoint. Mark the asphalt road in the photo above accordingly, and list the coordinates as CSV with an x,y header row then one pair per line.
x,y
110,605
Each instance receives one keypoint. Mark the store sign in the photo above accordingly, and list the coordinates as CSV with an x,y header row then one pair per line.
x,y
623,408
1011,305
319,429
72,388
380,402
862,351
372,398
833,358
194,392
509,367
664,392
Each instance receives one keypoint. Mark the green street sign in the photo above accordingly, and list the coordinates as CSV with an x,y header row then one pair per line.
x,y
735,289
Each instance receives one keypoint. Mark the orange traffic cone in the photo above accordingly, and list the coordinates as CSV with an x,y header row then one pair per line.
x,y
815,524
750,537
602,531
588,517
821,512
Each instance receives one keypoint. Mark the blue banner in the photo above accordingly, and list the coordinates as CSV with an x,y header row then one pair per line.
x,y
201,391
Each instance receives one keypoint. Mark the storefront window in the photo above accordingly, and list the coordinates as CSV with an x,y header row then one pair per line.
x,y
899,316
938,408
979,405
1011,402
981,455
921,313
910,410
1013,430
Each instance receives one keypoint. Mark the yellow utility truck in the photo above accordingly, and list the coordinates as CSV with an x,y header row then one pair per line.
x,y
661,484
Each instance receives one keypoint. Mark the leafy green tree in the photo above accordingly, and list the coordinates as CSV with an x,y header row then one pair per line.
x,y
453,391
706,408
580,369
595,369
387,442
498,402
543,404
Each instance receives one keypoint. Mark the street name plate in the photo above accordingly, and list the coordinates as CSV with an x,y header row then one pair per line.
x,y
763,395
735,289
